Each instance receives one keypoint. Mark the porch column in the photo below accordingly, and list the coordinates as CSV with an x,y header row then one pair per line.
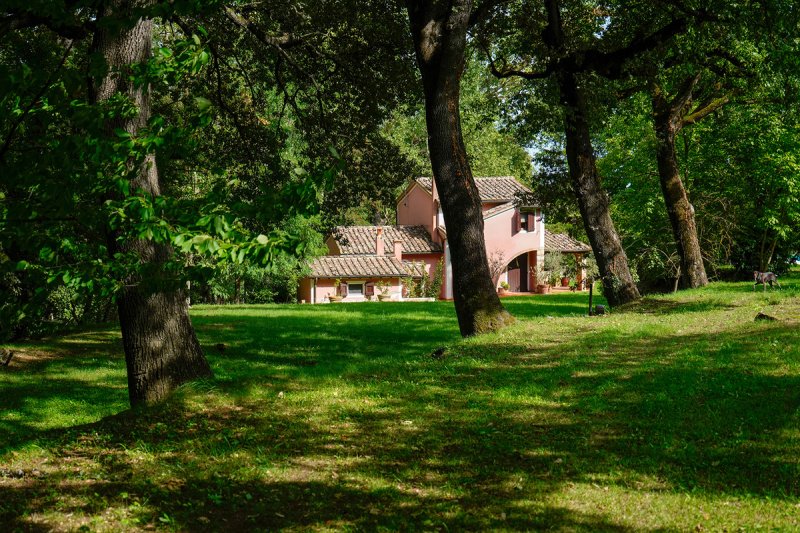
x,y
532,258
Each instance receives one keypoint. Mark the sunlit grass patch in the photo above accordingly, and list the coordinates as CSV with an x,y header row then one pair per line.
x,y
677,413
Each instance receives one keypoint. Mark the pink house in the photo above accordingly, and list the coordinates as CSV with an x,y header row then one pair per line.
x,y
364,259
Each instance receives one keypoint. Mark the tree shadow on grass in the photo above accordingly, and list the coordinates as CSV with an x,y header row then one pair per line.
x,y
695,410
323,479
485,438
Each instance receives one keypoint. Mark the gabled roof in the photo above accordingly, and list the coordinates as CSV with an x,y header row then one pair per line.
x,y
367,266
561,242
360,240
498,209
491,189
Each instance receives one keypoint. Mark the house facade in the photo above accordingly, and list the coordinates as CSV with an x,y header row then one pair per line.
x,y
366,260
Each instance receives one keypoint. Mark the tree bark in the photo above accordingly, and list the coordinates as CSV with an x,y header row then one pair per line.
x,y
668,121
593,201
161,348
439,31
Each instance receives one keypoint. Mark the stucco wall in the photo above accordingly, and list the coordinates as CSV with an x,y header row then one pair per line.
x,y
333,246
488,205
326,288
430,260
416,208
304,291
501,237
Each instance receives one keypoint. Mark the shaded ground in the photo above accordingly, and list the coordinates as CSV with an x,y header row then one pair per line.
x,y
677,413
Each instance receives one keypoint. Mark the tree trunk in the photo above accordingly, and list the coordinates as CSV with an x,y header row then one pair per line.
x,y
161,348
667,123
439,32
618,284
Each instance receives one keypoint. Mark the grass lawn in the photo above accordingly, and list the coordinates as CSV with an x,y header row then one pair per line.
x,y
678,413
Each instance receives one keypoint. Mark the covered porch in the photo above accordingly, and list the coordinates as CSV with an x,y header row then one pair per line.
x,y
522,271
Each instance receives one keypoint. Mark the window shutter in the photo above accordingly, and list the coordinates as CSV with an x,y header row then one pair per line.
x,y
369,289
343,289
531,221
516,223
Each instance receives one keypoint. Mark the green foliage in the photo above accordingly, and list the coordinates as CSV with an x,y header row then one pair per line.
x,y
426,286
740,170
383,287
232,282
75,178
491,151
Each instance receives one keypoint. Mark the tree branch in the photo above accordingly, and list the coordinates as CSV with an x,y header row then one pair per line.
x,y
286,40
684,95
73,30
279,44
609,64
705,110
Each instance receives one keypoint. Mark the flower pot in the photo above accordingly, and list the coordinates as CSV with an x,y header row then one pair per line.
x,y
384,297
543,289
502,292
335,299
565,282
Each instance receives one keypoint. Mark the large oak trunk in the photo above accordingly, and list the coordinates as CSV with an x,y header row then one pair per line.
x,y
439,31
161,348
666,120
618,284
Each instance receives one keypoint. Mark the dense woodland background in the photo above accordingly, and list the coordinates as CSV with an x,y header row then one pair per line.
x,y
271,122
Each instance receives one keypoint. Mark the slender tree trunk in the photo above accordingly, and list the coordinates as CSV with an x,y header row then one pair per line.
x,y
762,254
161,348
618,284
439,32
667,121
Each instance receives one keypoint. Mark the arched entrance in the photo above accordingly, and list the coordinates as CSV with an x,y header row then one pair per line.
x,y
519,273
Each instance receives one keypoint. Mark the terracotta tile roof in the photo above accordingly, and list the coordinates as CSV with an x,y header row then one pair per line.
x,y
360,240
363,266
497,188
561,242
498,209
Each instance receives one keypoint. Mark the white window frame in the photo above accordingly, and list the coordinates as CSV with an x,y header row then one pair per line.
x,y
363,293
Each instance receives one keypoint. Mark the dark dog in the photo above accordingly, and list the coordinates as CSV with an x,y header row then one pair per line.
x,y
764,278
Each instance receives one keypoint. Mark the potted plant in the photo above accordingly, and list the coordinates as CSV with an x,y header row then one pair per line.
x,y
570,272
503,288
337,295
554,264
541,279
383,288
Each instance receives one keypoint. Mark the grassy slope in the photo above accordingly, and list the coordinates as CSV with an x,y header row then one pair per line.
x,y
681,413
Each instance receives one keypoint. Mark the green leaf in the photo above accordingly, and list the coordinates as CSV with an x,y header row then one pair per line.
x,y
202,104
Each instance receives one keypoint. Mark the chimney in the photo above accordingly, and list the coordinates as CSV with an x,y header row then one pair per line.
x,y
398,249
379,242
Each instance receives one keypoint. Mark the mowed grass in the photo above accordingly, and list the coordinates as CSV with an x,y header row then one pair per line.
x,y
678,413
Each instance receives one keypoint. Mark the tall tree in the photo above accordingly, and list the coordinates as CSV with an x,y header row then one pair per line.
x,y
670,116
439,31
568,63
161,348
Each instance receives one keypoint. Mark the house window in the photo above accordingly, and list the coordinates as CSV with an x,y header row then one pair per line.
x,y
527,221
355,289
